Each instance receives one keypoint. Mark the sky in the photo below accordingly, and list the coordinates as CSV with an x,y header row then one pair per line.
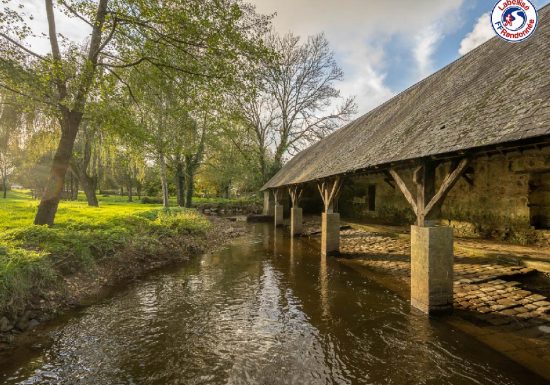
x,y
383,47
386,46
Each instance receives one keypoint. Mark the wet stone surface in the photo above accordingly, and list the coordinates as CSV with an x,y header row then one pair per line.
x,y
485,291
478,286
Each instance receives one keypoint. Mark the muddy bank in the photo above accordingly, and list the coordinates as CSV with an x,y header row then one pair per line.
x,y
134,260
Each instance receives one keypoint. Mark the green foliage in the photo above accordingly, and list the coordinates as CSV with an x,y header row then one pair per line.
x,y
32,258
149,200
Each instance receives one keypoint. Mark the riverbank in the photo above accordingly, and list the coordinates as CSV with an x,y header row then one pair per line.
x,y
498,299
44,271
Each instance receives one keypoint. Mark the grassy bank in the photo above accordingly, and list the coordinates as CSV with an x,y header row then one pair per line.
x,y
36,260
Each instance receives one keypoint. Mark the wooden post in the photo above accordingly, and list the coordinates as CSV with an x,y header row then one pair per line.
x,y
330,220
424,179
431,246
296,211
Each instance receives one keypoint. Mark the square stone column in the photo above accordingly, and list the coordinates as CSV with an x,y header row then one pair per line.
x,y
330,233
295,221
278,215
269,204
432,269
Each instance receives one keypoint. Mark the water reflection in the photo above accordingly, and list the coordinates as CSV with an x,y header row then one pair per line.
x,y
267,310
324,284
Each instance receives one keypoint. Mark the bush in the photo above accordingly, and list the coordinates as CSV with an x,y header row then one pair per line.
x,y
151,200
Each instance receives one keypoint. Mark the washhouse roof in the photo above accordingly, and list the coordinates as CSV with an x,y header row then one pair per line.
x,y
497,93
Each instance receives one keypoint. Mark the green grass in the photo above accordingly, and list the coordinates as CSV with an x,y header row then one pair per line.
x,y
33,258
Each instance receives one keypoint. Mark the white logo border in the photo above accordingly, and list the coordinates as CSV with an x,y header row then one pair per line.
x,y
509,40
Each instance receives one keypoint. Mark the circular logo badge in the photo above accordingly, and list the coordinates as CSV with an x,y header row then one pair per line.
x,y
514,20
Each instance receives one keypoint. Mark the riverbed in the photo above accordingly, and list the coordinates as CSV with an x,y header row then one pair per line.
x,y
266,309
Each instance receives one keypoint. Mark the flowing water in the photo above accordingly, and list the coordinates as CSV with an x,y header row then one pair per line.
x,y
264,310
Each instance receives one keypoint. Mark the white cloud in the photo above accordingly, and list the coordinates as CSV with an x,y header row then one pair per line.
x,y
365,78
425,44
357,31
480,34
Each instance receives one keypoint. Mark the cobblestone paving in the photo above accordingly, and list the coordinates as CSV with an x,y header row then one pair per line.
x,y
507,317
479,286
502,298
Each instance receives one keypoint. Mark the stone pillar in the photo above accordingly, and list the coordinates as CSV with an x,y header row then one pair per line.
x,y
432,269
269,207
330,233
295,221
278,215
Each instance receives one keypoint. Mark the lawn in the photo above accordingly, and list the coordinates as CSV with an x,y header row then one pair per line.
x,y
34,258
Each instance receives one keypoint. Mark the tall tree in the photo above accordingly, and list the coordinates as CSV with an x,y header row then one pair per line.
x,y
294,99
213,34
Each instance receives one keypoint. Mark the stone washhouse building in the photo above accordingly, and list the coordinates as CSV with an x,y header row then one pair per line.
x,y
466,150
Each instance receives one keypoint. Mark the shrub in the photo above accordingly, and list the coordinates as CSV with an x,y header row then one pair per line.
x,y
151,200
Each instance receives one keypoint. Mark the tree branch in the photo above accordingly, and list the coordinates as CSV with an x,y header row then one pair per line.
x,y
56,53
25,95
21,46
74,12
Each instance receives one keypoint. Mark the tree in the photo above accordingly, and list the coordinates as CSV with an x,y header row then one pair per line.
x,y
193,157
10,121
85,162
225,171
290,97
212,34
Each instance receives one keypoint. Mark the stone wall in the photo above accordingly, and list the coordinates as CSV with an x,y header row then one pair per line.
x,y
496,205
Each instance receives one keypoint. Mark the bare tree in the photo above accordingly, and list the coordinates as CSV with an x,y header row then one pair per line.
x,y
295,101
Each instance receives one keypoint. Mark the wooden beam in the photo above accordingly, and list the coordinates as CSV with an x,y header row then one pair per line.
x,y
335,191
277,195
330,191
321,188
424,178
295,194
388,179
447,185
404,189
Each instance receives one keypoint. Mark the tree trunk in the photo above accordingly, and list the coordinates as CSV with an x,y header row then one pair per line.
x,y
73,190
163,181
89,185
189,190
5,186
189,180
226,190
129,191
52,193
180,181
138,191
76,187
69,188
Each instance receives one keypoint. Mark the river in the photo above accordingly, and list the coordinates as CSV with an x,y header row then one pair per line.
x,y
264,310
